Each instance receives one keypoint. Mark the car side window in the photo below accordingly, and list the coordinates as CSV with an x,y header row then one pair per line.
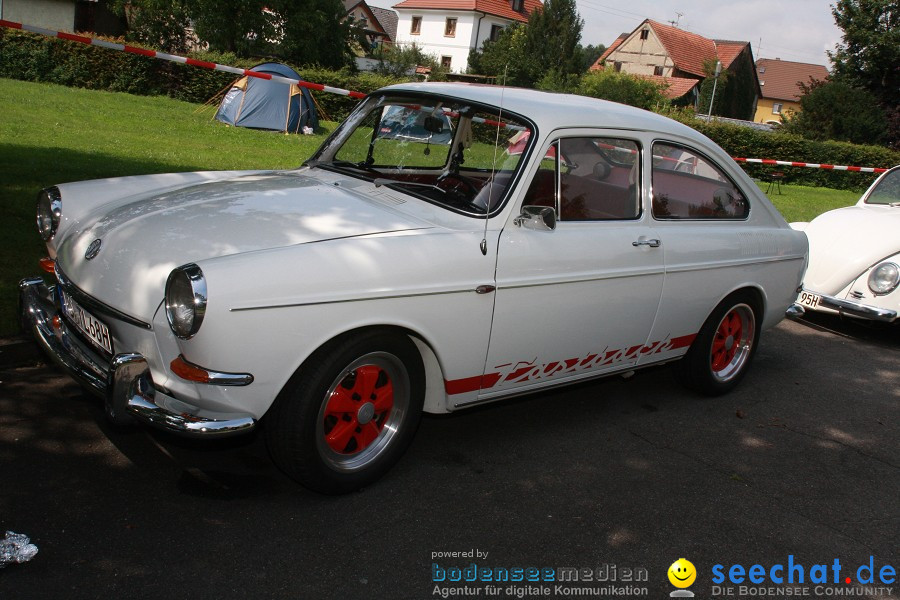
x,y
687,185
589,179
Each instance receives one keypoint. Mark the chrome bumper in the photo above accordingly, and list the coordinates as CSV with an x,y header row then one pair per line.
x,y
855,309
125,382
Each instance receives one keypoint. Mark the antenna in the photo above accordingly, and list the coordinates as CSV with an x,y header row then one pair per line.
x,y
678,20
490,197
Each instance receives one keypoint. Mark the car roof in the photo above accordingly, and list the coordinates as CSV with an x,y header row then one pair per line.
x,y
551,110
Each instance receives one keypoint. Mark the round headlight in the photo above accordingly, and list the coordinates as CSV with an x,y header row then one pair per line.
x,y
49,210
884,278
185,300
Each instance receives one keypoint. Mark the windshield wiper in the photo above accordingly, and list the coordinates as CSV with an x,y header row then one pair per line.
x,y
384,181
361,166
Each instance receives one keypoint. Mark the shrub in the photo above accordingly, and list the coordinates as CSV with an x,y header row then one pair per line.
x,y
624,88
751,143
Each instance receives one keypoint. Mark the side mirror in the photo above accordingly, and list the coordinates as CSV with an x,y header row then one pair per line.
x,y
537,218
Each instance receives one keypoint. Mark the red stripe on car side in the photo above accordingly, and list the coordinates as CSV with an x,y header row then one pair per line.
x,y
682,342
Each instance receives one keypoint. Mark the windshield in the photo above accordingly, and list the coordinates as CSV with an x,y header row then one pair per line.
x,y
449,152
888,189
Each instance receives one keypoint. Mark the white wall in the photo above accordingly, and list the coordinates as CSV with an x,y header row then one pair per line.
x,y
49,14
639,57
431,38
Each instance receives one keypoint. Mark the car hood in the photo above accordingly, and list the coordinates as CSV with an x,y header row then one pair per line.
x,y
843,243
142,240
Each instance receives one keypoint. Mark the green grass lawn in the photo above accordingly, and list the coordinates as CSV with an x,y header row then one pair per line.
x,y
51,134
801,203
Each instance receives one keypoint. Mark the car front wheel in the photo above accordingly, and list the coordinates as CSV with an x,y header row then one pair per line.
x,y
723,349
349,413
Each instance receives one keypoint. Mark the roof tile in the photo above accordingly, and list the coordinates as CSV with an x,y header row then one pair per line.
x,y
780,79
498,8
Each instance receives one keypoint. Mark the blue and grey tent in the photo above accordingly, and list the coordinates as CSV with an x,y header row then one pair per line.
x,y
264,104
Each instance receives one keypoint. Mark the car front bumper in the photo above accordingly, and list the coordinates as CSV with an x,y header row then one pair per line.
x,y
125,382
808,299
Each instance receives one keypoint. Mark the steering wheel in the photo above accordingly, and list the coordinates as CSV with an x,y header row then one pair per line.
x,y
457,185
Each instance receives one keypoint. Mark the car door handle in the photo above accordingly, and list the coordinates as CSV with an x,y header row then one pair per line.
x,y
645,242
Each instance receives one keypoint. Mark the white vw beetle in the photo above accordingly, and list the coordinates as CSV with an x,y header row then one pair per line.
x,y
854,256
544,239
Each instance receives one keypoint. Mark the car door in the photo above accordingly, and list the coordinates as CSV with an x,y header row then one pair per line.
x,y
701,217
580,299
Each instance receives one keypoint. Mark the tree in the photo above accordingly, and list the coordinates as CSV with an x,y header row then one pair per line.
x,y
528,53
552,39
589,55
314,32
161,24
710,81
239,26
623,88
834,110
505,58
869,55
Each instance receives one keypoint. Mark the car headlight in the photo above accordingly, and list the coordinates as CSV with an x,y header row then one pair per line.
x,y
49,210
186,300
884,278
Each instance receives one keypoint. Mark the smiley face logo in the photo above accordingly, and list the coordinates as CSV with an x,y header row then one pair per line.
x,y
682,573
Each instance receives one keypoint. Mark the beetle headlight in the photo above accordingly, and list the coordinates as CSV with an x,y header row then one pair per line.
x,y
186,300
884,278
49,210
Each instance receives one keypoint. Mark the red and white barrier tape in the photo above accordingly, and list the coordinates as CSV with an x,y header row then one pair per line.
x,y
787,163
179,59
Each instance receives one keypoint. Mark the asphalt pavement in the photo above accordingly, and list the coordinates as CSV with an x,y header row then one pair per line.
x,y
616,478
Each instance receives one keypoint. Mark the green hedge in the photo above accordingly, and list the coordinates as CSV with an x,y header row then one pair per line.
x,y
34,57
752,143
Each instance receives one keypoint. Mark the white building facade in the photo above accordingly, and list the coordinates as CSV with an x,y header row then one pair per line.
x,y
448,33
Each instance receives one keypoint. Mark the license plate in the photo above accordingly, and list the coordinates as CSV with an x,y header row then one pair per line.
x,y
808,299
92,327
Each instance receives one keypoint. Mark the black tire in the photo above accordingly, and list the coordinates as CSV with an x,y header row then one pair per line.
x,y
722,352
324,434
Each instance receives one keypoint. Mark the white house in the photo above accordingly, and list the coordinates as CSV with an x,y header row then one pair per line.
x,y
449,29
65,15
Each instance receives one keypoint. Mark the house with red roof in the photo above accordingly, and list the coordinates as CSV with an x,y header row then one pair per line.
x,y
680,59
780,81
449,29
378,24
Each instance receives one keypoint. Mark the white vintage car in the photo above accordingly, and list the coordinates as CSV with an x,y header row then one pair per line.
x,y
854,256
554,239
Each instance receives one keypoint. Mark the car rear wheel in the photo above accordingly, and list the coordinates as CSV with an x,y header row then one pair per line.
x,y
723,349
349,413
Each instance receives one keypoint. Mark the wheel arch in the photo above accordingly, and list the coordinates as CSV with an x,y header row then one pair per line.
x,y
435,400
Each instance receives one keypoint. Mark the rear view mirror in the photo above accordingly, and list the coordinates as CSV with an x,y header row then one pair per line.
x,y
433,124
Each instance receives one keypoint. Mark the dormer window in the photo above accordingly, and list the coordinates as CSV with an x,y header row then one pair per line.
x,y
518,5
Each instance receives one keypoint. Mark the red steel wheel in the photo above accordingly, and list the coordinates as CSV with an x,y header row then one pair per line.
x,y
349,412
724,347
357,409
732,343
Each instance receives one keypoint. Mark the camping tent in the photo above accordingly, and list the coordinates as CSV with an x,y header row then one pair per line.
x,y
264,104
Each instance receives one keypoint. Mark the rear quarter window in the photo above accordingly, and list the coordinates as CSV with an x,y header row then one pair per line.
x,y
687,185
